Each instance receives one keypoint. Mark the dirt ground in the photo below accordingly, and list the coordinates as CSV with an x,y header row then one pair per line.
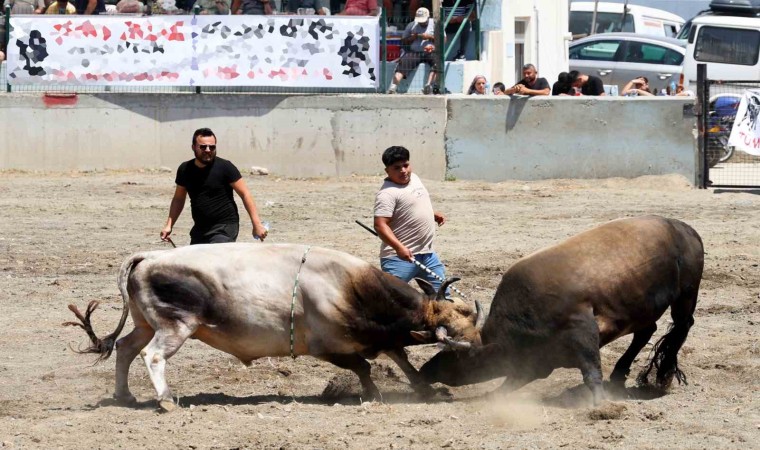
x,y
65,235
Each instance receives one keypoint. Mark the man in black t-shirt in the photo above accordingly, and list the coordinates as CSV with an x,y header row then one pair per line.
x,y
88,7
209,181
531,84
588,84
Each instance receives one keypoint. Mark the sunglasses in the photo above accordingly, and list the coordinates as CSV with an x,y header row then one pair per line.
x,y
207,147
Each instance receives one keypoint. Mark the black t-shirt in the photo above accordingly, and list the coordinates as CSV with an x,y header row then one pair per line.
x,y
211,198
538,84
81,6
594,86
561,88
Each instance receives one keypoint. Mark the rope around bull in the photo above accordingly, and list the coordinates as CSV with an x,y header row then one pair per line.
x,y
293,305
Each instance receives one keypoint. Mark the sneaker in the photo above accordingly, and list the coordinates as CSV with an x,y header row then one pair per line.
x,y
392,90
436,90
460,57
427,89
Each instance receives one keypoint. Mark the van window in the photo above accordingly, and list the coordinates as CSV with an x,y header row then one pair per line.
x,y
727,45
580,22
595,51
671,29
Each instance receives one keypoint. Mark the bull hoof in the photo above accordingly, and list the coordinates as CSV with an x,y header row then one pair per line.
x,y
125,400
167,405
371,395
424,391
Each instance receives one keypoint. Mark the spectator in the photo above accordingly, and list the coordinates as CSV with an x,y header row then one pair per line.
x,y
680,91
209,181
25,6
359,8
531,84
252,7
478,86
61,7
587,84
460,16
637,86
562,85
420,37
499,88
306,7
90,7
130,7
406,222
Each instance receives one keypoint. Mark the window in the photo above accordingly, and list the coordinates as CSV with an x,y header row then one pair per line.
x,y
580,22
639,52
727,46
595,51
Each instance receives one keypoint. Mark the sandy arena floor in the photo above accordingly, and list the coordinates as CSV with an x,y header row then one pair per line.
x,y
65,235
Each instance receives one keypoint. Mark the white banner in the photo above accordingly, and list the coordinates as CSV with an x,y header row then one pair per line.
x,y
745,134
281,51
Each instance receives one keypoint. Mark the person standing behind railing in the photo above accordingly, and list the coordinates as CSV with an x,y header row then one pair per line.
x,y
252,7
25,6
419,35
460,15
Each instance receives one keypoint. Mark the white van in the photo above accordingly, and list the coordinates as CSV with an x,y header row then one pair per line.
x,y
728,44
610,18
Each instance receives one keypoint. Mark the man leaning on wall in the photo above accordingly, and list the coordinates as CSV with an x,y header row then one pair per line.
x,y
252,7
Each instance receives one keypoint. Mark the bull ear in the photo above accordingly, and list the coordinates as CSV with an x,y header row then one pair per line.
x,y
426,287
441,295
422,336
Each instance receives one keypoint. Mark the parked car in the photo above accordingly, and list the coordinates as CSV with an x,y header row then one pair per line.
x,y
617,58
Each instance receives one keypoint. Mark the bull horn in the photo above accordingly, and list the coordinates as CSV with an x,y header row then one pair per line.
x,y
456,345
480,316
441,295
441,334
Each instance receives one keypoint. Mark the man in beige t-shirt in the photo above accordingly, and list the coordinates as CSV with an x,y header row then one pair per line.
x,y
406,222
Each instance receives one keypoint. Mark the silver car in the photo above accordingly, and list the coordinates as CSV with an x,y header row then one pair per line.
x,y
617,58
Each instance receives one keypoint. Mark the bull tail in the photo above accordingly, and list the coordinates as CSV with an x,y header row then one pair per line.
x,y
665,350
104,347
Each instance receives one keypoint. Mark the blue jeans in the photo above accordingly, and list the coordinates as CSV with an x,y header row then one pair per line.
x,y
407,270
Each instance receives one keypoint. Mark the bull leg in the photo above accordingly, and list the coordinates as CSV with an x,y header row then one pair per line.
x,y
360,367
400,357
623,366
164,344
127,349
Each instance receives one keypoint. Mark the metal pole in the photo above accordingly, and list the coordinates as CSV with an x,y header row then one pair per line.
x,y
383,49
703,100
7,43
417,263
593,18
197,11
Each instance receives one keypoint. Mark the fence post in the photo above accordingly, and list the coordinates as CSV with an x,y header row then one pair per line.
x,y
7,38
703,100
440,48
383,49
197,11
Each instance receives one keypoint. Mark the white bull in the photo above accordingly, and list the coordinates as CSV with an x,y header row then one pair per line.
x,y
238,298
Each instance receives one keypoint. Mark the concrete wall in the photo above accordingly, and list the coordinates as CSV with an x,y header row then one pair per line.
x,y
486,138
497,139
290,135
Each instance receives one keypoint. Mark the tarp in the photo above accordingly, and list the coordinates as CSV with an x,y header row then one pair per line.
x,y
283,51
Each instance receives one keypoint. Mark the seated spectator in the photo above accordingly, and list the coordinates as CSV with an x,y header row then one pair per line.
x,y
306,7
499,88
360,8
61,7
680,91
562,85
587,84
131,7
252,7
637,86
478,86
459,16
25,6
419,35
531,84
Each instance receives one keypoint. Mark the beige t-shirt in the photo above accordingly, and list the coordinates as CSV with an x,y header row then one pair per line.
x,y
411,213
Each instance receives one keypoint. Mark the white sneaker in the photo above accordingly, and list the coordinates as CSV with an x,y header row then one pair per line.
x,y
392,90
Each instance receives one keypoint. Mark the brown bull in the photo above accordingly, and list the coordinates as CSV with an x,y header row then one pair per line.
x,y
557,307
